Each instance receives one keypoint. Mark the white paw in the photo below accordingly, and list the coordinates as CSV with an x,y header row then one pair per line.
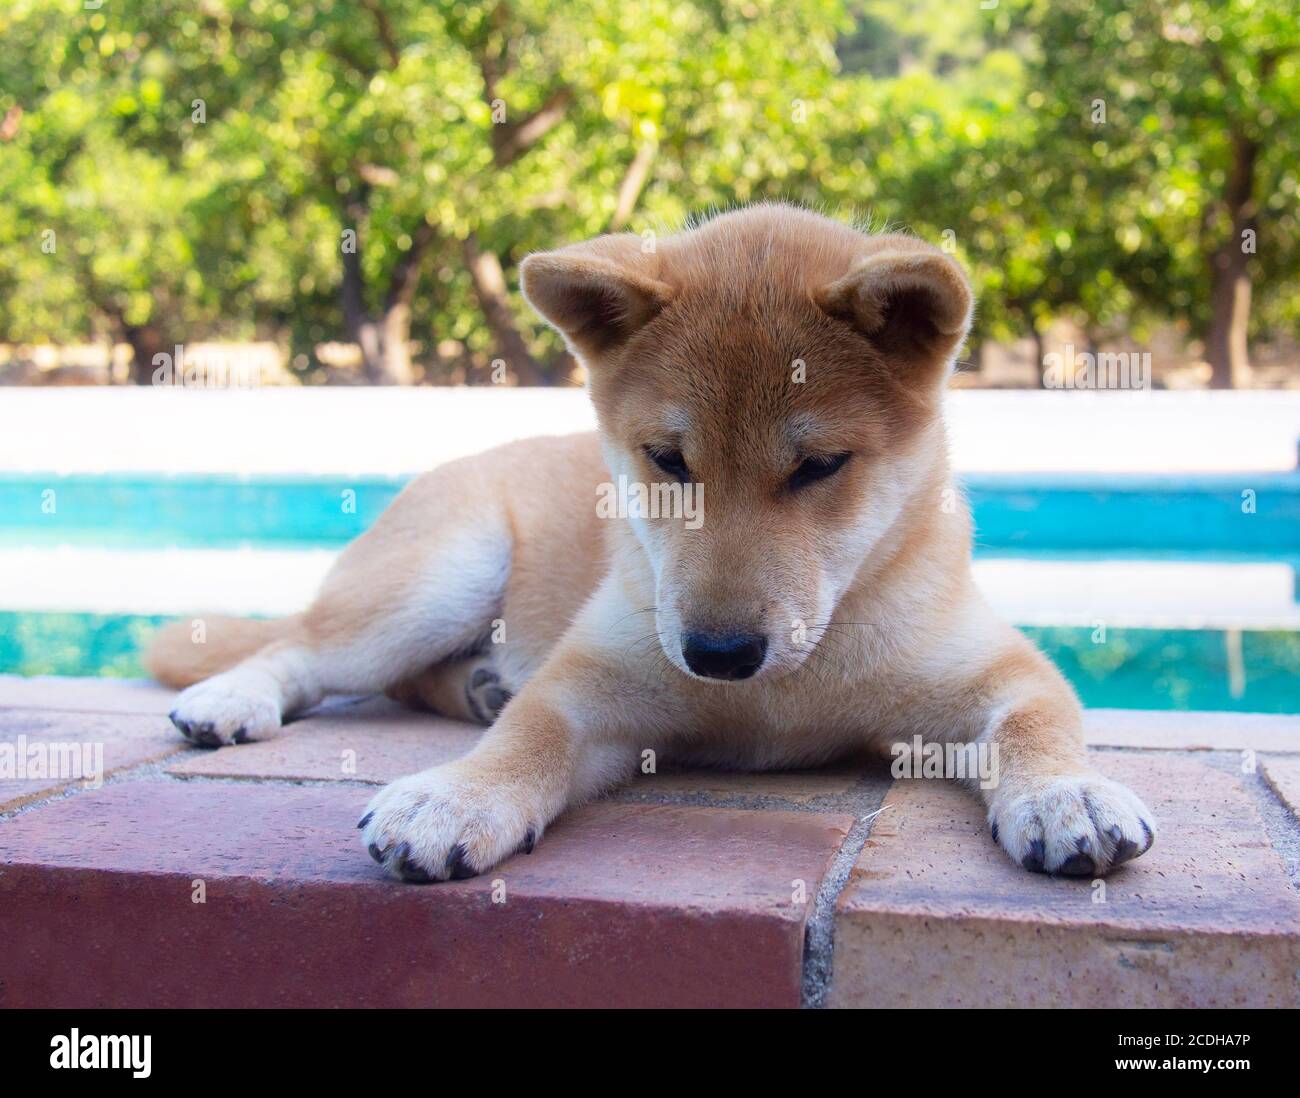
x,y
445,824
228,708
1080,826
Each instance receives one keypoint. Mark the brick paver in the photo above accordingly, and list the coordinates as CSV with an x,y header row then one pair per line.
x,y
44,751
375,741
798,786
620,905
1284,776
936,915
85,695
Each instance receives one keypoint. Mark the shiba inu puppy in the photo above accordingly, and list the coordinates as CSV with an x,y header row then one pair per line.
x,y
814,600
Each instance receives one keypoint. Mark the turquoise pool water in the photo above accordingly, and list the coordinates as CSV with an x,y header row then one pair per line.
x,y
1176,519
1160,516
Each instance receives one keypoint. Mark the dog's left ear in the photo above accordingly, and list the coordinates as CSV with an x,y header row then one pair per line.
x,y
595,294
909,299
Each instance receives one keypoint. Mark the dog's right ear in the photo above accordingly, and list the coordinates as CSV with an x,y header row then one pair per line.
x,y
595,294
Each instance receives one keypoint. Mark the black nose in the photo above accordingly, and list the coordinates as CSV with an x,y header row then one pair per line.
x,y
724,655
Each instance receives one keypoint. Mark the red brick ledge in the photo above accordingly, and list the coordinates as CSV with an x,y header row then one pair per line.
x,y
695,889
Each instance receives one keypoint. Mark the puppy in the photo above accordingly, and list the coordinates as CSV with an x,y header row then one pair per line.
x,y
776,378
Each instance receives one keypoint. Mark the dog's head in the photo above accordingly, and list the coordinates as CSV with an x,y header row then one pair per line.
x,y
772,379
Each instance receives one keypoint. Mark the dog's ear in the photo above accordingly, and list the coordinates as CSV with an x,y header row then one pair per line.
x,y
595,294
909,299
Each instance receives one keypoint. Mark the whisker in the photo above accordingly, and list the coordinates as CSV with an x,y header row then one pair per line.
x,y
646,610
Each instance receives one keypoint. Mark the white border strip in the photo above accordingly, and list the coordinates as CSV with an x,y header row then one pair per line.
x,y
398,431
1154,594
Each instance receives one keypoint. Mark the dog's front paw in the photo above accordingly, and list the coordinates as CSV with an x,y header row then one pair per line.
x,y
225,709
1080,826
447,824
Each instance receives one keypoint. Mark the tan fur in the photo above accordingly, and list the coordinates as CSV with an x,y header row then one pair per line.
x,y
189,651
747,345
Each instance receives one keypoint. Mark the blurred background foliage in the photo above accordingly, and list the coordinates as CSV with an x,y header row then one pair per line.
x,y
371,172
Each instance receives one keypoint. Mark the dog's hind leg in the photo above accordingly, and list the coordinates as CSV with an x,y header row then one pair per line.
x,y
422,586
467,689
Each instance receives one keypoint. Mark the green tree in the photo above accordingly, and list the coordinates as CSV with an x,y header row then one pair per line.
x,y
327,166
1170,112
374,170
100,214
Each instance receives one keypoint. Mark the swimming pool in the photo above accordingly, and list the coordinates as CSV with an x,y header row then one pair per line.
x,y
1150,592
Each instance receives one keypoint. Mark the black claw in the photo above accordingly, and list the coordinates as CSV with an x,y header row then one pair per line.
x,y
530,841
1033,861
1151,838
407,869
1125,849
241,735
413,874
458,868
1078,865
995,830
365,820
205,734
376,853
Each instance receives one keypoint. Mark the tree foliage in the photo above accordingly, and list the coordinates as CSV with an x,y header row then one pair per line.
x,y
372,171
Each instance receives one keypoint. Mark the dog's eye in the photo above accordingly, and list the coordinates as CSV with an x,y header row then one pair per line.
x,y
817,468
671,462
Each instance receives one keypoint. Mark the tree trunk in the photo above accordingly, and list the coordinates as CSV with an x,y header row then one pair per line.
x,y
146,342
385,342
396,330
1040,351
1226,344
359,325
395,346
510,140
108,335
357,322
490,289
629,190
